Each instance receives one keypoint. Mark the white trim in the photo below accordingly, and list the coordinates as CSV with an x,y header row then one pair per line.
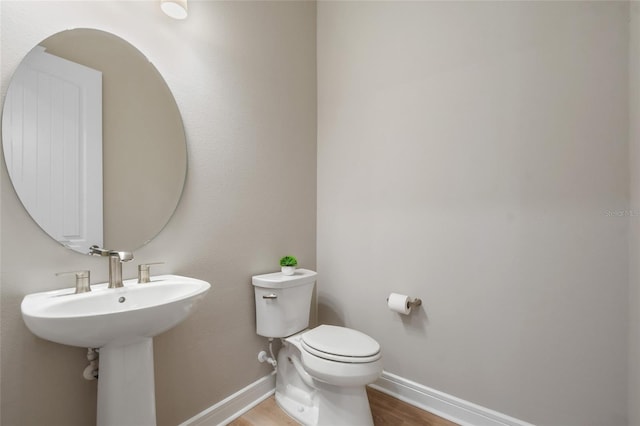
x,y
457,410
235,405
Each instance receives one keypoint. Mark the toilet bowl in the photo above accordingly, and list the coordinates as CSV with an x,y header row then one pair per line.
x,y
340,356
322,372
318,387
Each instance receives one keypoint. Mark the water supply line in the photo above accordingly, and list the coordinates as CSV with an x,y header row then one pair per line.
x,y
91,371
263,357
306,377
275,362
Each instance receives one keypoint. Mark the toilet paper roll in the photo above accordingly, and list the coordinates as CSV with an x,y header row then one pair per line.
x,y
399,303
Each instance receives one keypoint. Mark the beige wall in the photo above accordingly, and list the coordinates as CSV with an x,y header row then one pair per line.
x,y
634,228
474,154
243,75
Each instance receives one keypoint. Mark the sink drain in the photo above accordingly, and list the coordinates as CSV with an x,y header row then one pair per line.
x,y
121,299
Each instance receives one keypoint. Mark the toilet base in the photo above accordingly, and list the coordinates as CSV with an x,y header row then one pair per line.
x,y
295,397
303,413
334,407
315,403
343,406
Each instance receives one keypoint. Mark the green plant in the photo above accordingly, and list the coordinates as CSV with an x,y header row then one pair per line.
x,y
289,261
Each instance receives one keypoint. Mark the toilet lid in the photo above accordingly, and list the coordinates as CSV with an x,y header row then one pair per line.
x,y
341,344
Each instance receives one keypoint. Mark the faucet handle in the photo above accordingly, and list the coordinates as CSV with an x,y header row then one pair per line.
x,y
82,280
143,272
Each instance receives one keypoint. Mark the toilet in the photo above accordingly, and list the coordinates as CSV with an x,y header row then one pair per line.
x,y
321,372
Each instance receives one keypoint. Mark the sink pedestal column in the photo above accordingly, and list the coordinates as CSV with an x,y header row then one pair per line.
x,y
126,390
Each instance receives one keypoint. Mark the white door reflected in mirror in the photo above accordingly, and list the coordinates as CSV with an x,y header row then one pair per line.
x,y
52,141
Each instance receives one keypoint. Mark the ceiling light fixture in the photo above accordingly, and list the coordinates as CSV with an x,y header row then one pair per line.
x,y
176,9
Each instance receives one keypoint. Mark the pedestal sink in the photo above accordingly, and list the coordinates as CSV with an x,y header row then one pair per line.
x,y
121,322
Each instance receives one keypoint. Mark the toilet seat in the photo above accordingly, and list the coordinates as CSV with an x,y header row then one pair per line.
x,y
341,344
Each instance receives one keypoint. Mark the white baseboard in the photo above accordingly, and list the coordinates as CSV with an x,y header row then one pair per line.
x,y
457,410
235,405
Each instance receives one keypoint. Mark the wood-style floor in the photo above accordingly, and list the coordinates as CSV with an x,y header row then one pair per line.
x,y
386,410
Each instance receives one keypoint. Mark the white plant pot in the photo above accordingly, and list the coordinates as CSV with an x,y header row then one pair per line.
x,y
288,270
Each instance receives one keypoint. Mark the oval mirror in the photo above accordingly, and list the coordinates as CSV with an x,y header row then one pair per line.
x,y
93,141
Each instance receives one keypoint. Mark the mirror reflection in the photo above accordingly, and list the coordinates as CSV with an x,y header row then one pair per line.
x,y
93,141
52,137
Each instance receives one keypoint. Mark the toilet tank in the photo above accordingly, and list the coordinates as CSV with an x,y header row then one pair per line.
x,y
283,302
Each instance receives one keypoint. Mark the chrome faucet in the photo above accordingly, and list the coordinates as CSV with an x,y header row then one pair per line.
x,y
115,263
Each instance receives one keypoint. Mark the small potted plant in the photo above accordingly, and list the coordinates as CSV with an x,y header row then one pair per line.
x,y
288,264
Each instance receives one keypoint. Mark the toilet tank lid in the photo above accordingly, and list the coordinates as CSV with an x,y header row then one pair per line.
x,y
279,280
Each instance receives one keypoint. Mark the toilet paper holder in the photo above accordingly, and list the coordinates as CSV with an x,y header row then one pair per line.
x,y
414,302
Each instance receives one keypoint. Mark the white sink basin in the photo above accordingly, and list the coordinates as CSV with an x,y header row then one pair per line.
x,y
122,323
105,316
